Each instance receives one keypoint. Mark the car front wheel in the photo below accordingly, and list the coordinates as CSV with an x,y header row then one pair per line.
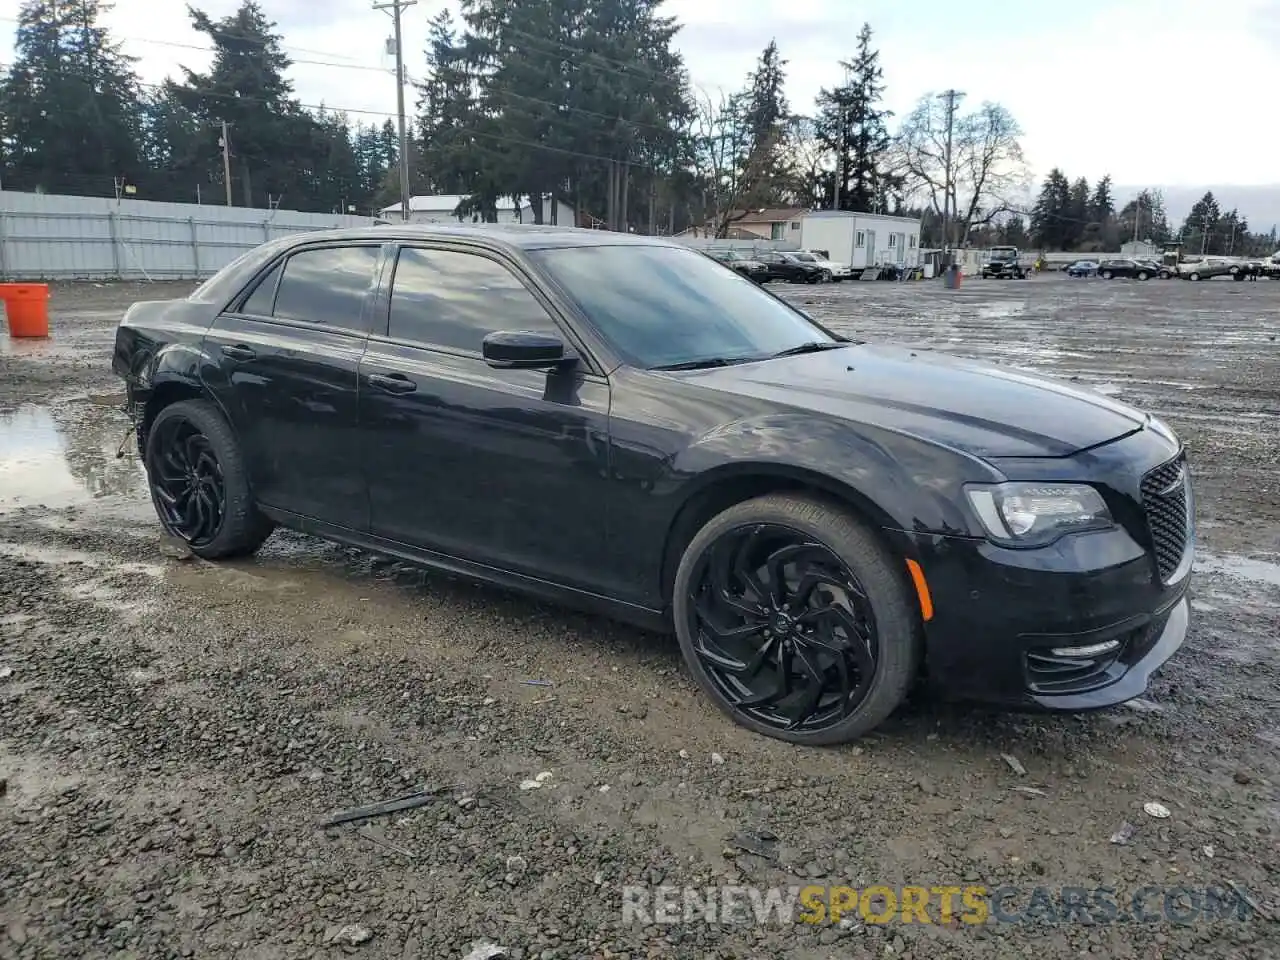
x,y
796,621
1107,274
199,483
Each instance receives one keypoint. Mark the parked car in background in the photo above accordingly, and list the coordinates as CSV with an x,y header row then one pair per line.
x,y
747,266
1111,269
618,423
1081,268
1206,268
832,271
785,266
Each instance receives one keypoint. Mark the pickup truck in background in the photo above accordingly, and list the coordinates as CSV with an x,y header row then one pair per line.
x,y
1003,263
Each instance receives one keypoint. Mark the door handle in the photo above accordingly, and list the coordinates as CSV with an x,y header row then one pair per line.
x,y
239,352
392,382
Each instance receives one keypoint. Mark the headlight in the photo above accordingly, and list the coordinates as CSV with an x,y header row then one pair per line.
x,y
1031,514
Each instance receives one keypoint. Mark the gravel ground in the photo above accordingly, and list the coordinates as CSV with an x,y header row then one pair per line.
x,y
172,733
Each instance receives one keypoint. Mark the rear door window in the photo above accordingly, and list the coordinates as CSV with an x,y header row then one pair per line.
x,y
327,286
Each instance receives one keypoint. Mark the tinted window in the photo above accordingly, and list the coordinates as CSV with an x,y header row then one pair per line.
x,y
451,299
660,305
327,286
262,299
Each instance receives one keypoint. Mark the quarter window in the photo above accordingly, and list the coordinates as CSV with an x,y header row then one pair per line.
x,y
444,298
262,300
327,286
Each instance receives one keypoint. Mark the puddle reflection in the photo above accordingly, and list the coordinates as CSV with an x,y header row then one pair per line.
x,y
43,462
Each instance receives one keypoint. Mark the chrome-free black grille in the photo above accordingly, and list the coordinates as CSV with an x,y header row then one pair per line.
x,y
1164,497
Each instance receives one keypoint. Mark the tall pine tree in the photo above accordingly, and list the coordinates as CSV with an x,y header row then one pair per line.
x,y
69,104
852,124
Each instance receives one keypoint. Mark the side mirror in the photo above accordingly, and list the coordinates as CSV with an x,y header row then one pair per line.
x,y
523,349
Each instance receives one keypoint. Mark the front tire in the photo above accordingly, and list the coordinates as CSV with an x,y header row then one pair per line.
x,y
796,621
825,276
1107,274
199,483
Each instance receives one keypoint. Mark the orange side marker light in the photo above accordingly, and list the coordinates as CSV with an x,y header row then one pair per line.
x,y
922,590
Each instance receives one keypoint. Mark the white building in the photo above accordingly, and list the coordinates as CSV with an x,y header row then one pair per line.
x,y
439,209
862,239
1139,248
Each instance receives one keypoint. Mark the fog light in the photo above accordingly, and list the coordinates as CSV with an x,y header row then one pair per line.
x,y
1093,650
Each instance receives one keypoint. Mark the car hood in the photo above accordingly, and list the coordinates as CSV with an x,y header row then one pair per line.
x,y
977,408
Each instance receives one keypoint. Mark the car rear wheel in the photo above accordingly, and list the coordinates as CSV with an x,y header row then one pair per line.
x,y
1107,274
796,621
199,484
1193,276
1143,275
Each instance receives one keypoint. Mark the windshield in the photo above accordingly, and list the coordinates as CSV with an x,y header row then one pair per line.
x,y
659,305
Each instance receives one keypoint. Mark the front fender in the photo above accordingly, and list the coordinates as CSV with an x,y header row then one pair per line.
x,y
905,483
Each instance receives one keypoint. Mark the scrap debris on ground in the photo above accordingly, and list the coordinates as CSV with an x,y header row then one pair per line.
x,y
172,731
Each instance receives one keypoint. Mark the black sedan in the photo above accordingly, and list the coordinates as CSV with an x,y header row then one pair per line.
x,y
621,424
1135,269
747,266
784,266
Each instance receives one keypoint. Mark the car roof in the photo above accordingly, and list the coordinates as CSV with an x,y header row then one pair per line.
x,y
517,236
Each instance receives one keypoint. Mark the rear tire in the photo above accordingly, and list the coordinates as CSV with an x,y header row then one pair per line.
x,y
866,647
199,482
1106,274
1193,276
1143,275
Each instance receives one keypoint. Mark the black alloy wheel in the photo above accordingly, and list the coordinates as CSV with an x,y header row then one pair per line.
x,y
187,481
199,481
1107,274
783,628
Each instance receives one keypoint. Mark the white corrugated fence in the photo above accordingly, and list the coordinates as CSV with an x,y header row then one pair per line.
x,y
50,237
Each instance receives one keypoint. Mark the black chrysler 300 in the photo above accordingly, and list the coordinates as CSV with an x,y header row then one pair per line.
x,y
621,423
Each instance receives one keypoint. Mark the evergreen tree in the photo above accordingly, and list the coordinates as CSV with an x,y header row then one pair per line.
x,y
851,124
1101,205
69,104
1048,217
764,112
1077,214
246,87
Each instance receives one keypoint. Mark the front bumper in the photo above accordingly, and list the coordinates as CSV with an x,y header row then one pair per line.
x,y
1077,625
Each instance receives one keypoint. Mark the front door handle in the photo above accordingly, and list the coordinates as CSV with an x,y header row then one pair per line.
x,y
392,382
239,352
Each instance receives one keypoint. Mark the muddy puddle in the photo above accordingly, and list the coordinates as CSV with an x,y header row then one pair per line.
x,y
63,456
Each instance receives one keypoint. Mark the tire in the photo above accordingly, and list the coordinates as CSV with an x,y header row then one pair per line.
x,y
1106,274
1193,276
241,528
824,277
893,618
1237,276
986,276
1143,275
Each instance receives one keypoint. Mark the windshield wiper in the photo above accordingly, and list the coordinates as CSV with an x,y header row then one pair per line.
x,y
813,346
704,364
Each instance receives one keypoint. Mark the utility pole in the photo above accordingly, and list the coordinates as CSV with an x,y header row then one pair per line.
x,y
397,7
1137,216
951,97
226,160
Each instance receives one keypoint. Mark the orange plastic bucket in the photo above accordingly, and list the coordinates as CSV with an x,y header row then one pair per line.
x,y
27,307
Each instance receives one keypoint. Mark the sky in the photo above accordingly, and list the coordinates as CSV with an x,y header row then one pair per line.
x,y
1157,93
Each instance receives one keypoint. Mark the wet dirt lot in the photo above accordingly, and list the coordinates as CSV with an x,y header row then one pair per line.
x,y
173,732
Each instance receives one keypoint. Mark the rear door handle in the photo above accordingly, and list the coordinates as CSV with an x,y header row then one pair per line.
x,y
239,352
392,382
